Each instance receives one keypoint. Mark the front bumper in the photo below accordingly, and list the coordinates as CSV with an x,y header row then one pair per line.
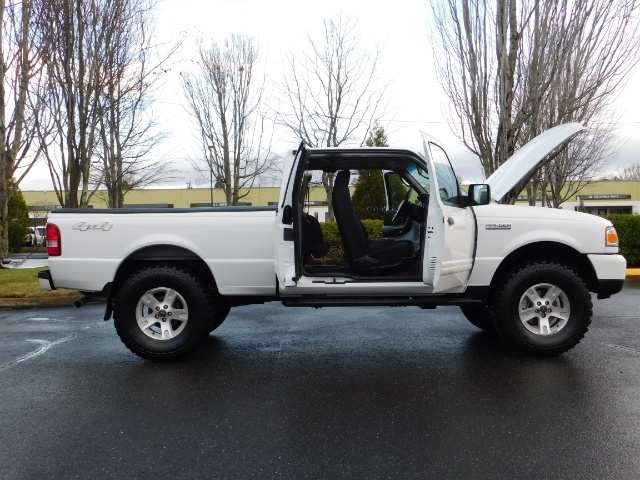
x,y
606,288
46,282
611,271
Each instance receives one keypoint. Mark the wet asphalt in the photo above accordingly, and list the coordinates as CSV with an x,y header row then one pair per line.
x,y
331,393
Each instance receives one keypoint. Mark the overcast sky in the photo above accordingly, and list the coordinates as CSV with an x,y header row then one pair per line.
x,y
399,28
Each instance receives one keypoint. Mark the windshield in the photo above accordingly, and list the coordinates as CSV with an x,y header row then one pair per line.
x,y
420,175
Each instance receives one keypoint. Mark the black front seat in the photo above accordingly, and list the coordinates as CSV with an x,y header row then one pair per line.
x,y
364,254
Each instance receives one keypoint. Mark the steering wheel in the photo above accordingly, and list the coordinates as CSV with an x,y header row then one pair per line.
x,y
403,204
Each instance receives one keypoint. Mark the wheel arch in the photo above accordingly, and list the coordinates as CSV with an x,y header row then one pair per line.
x,y
158,254
554,252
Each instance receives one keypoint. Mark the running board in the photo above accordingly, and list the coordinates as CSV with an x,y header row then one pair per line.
x,y
426,302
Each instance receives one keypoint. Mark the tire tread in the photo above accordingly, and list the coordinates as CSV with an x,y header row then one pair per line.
x,y
500,305
192,282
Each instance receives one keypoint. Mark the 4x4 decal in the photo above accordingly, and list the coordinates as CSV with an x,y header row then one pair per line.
x,y
83,227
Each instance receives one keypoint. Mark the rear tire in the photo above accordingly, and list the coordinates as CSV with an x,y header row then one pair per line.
x,y
161,312
479,316
543,308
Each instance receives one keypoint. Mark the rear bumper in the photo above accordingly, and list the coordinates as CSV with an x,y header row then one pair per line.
x,y
46,282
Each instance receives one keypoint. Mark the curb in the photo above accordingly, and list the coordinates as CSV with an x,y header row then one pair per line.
x,y
633,272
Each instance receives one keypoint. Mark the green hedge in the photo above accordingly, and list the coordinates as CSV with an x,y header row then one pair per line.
x,y
628,228
332,237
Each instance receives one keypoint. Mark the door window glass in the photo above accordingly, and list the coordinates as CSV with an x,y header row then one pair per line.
x,y
445,176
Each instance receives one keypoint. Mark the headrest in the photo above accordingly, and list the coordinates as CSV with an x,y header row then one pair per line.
x,y
342,178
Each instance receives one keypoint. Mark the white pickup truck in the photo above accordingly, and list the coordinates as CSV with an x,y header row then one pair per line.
x,y
525,273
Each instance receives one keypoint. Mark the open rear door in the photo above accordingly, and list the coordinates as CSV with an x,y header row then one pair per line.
x,y
450,234
287,270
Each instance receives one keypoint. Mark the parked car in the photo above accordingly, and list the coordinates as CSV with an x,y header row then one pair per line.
x,y
35,237
40,233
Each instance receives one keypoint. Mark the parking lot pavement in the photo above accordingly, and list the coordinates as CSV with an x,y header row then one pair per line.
x,y
329,393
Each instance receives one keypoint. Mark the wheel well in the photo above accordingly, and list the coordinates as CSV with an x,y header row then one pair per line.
x,y
549,252
165,255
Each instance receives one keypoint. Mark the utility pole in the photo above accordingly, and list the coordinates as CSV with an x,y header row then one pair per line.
x,y
212,151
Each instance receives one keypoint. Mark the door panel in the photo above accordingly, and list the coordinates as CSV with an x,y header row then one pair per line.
x,y
286,218
448,256
457,253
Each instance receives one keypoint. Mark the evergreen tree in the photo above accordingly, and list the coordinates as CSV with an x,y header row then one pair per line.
x,y
377,137
369,195
18,219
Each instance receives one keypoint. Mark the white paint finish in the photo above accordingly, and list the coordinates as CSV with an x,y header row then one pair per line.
x,y
527,158
244,277
457,254
285,258
240,247
448,253
609,267
483,270
315,285
581,231
88,274
91,258
44,284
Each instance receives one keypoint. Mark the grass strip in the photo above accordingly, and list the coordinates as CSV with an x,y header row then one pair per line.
x,y
23,283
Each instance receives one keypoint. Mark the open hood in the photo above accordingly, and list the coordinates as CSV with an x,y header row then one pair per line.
x,y
529,157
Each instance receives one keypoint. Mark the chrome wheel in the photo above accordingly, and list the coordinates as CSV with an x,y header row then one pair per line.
x,y
162,313
544,309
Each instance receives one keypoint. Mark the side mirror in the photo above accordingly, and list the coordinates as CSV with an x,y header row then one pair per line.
x,y
479,194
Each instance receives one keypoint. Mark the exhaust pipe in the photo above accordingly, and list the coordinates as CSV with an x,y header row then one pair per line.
x,y
80,302
88,298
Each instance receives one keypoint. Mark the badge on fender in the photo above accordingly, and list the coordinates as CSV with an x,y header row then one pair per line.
x,y
498,226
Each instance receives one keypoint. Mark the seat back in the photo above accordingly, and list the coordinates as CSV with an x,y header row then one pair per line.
x,y
354,237
313,243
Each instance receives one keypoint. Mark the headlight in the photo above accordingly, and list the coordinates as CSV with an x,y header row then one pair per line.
x,y
611,237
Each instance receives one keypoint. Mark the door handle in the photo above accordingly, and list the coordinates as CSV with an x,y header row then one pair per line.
x,y
450,221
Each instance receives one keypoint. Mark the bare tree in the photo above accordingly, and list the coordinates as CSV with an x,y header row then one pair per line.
x,y
72,42
128,130
331,91
227,103
631,172
518,68
96,58
19,75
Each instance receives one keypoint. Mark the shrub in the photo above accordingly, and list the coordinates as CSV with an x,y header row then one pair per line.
x,y
369,196
18,220
332,237
628,228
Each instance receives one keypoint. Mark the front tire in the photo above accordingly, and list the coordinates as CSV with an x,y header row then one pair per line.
x,y
219,316
543,308
161,312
